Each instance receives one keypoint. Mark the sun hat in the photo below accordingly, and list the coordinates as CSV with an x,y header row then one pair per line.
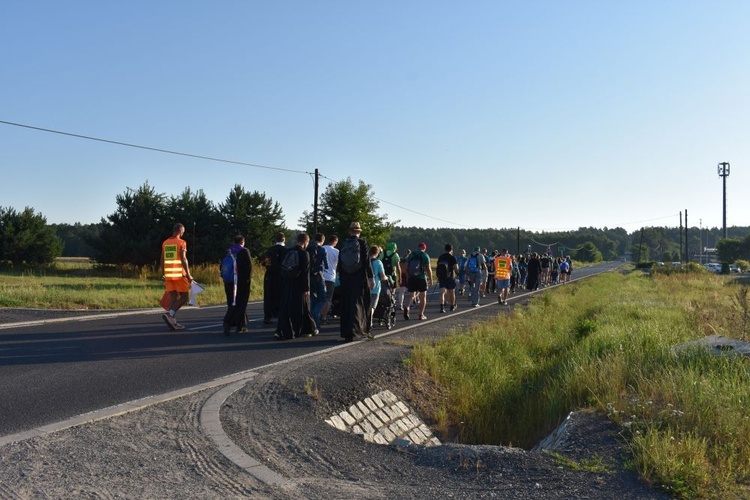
x,y
355,226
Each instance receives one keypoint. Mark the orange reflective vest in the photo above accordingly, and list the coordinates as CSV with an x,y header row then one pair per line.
x,y
172,250
503,266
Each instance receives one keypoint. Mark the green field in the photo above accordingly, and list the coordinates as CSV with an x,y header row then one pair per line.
x,y
79,284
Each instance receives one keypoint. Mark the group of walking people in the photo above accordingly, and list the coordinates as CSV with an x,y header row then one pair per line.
x,y
301,282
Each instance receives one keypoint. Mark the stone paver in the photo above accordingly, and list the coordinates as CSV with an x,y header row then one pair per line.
x,y
383,419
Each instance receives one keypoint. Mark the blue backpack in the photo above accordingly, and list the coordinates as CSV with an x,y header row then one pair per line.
x,y
228,267
473,265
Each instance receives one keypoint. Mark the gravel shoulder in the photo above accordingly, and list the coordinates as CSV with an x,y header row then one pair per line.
x,y
278,418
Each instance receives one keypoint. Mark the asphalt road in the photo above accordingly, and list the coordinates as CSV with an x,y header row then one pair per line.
x,y
53,370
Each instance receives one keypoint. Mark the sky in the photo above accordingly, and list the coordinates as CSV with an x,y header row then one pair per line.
x,y
543,115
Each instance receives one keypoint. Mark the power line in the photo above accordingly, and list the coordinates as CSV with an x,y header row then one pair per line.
x,y
148,148
407,209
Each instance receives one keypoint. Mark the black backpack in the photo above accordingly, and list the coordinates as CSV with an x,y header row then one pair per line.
x,y
290,264
350,257
442,270
415,264
387,264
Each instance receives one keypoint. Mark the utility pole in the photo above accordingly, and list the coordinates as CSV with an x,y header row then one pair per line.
x,y
723,170
315,205
700,238
518,241
681,260
687,255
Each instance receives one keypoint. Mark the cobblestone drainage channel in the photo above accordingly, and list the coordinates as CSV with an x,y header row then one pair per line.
x,y
383,419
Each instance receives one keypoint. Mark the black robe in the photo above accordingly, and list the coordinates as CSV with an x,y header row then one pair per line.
x,y
236,315
355,296
533,270
294,308
272,282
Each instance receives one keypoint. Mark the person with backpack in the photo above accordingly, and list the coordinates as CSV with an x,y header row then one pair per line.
x,y
318,264
391,261
295,319
461,261
356,281
447,267
474,266
490,261
272,279
420,277
236,273
403,282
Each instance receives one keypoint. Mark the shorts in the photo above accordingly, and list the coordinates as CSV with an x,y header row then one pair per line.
x,y
447,283
500,284
181,285
462,278
330,287
417,284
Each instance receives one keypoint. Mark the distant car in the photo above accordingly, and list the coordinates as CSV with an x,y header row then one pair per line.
x,y
676,264
714,267
733,268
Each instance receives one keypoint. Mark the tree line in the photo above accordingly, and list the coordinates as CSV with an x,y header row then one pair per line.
x,y
143,218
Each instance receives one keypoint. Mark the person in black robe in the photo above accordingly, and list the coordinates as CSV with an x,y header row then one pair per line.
x,y
272,280
355,284
295,319
533,271
237,298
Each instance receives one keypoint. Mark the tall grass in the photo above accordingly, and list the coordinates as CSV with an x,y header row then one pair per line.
x,y
82,285
607,343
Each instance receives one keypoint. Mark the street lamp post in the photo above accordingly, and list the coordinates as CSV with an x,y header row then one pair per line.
x,y
723,169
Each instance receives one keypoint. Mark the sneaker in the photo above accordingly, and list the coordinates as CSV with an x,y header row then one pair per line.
x,y
278,336
475,305
406,314
170,321
422,317
453,307
499,300
442,308
242,330
178,326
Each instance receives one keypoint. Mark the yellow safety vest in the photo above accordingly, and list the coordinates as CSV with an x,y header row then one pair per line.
x,y
502,267
172,259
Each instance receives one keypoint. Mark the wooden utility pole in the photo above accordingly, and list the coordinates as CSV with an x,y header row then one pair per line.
x,y
687,253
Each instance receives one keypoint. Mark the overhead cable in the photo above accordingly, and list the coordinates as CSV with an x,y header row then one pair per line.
x,y
167,151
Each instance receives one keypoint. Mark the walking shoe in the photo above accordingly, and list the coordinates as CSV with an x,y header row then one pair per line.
x,y
242,330
406,314
442,308
453,307
178,326
499,300
422,317
278,336
475,305
170,321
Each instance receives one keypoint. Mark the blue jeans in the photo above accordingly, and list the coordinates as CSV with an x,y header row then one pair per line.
x,y
475,279
317,297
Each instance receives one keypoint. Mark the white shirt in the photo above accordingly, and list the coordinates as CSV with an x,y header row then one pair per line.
x,y
332,254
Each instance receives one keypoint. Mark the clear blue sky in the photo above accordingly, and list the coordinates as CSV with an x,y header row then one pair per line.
x,y
546,115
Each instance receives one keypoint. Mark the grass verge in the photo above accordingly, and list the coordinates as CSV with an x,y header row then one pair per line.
x,y
606,343
83,285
